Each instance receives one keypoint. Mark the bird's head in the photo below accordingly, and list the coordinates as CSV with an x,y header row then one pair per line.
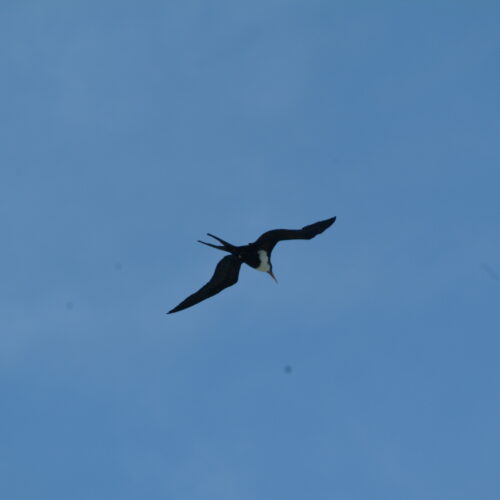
x,y
263,263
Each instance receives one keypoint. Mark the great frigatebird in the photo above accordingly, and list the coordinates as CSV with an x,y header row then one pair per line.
x,y
256,255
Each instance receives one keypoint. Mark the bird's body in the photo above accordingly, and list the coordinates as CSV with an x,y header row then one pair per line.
x,y
256,255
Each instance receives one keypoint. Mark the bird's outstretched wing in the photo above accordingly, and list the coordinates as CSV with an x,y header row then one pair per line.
x,y
226,274
268,240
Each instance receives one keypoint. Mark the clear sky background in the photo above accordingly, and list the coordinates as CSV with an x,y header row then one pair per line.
x,y
129,130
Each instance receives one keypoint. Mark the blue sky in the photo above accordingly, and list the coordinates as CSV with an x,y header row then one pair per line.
x,y
129,130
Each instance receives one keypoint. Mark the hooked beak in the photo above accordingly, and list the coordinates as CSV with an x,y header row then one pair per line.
x,y
272,276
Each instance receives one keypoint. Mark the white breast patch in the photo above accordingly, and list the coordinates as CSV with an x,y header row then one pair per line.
x,y
264,261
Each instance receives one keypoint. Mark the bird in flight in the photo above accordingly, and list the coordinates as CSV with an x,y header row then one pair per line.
x,y
256,255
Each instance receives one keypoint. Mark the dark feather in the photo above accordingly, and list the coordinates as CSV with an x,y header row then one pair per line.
x,y
269,239
226,274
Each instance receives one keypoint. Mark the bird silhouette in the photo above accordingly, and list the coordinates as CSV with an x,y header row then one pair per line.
x,y
256,255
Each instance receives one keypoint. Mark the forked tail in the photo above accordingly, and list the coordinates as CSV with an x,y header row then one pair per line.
x,y
226,247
